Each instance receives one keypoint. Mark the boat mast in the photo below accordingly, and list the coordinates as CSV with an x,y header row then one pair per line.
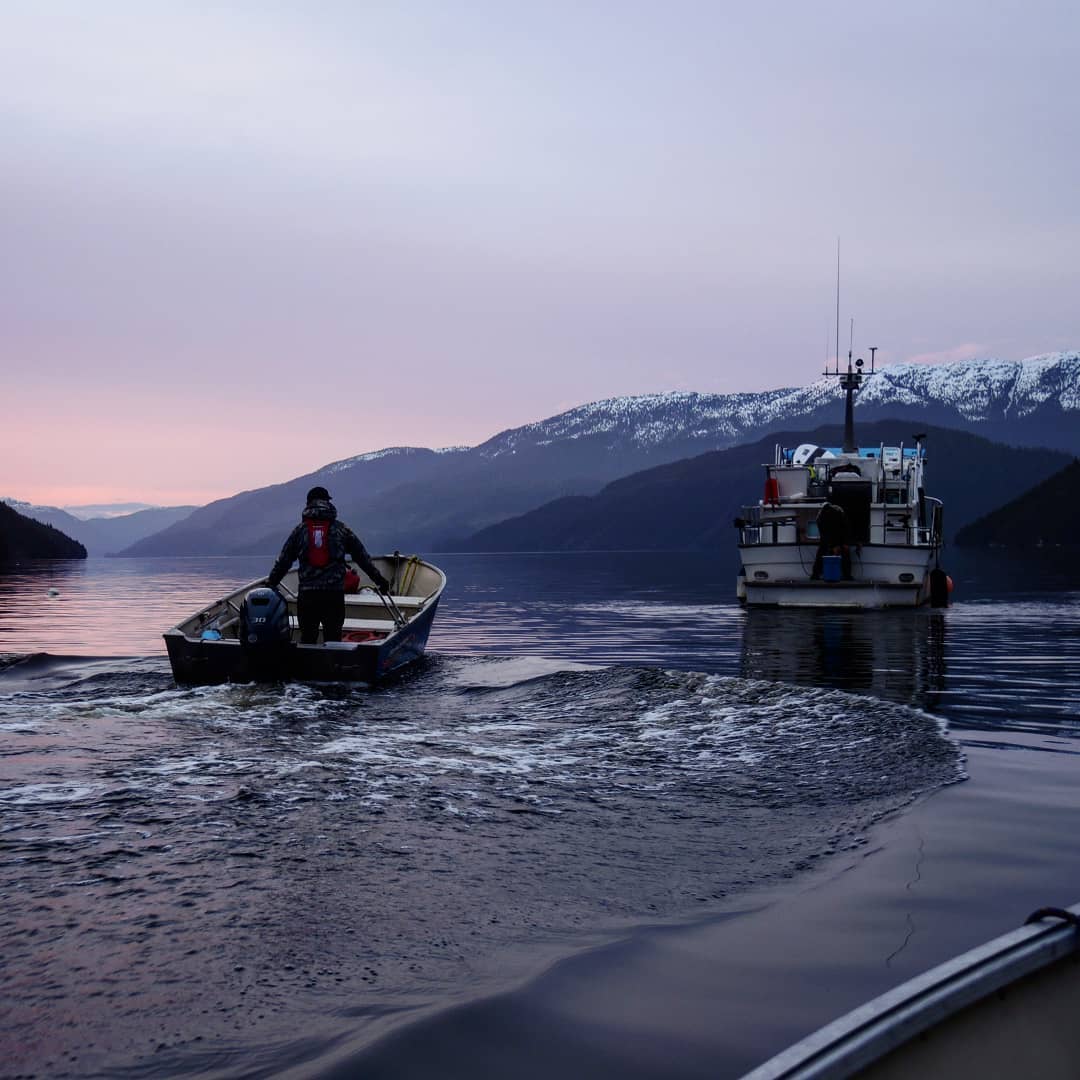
x,y
851,379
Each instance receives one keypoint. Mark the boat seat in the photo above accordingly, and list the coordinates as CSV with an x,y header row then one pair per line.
x,y
365,599
353,624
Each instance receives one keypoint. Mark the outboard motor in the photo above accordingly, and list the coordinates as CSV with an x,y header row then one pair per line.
x,y
264,631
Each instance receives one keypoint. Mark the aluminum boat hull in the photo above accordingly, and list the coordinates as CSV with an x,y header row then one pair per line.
x,y
205,663
380,646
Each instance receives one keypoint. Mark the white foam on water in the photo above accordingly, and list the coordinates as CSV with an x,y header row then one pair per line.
x,y
492,672
59,793
479,730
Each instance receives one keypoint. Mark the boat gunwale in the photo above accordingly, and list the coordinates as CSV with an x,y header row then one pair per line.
x,y
422,604
891,1020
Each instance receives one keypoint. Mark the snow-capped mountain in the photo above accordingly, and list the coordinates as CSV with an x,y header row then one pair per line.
x,y
691,503
388,452
90,511
410,497
979,395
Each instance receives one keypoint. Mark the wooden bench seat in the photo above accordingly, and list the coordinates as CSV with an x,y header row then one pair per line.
x,y
366,599
355,624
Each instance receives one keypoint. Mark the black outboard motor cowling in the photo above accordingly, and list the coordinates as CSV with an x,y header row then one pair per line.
x,y
264,620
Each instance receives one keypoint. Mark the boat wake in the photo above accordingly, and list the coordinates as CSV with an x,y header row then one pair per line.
x,y
285,841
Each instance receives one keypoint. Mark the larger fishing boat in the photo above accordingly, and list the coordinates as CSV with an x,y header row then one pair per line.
x,y
889,553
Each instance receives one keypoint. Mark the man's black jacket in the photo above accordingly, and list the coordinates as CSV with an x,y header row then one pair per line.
x,y
342,541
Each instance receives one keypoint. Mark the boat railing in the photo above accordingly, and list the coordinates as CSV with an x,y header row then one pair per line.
x,y
936,528
778,528
772,524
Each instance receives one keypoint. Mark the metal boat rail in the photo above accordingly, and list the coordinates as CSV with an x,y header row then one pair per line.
x,y
1005,1008
782,523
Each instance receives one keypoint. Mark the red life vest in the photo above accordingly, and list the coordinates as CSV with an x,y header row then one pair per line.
x,y
318,543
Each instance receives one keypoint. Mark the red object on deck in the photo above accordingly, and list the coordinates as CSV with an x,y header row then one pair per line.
x,y
772,491
359,636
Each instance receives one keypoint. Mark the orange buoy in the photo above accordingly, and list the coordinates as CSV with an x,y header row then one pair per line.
x,y
948,583
772,490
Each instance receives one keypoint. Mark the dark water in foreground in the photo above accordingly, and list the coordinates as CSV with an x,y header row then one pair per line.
x,y
242,881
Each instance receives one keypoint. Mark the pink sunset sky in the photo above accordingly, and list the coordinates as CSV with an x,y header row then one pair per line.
x,y
244,240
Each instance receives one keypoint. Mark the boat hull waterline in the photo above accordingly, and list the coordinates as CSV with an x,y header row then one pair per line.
x,y
883,576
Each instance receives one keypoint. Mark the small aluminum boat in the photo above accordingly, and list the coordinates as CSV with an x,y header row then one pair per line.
x,y
1005,1009
382,634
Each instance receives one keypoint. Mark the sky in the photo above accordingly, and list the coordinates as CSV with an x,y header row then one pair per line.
x,y
242,240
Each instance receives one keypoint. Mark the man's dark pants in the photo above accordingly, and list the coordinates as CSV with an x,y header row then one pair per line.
x,y
320,606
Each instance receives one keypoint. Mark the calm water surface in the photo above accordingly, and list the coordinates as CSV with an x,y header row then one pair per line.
x,y
242,881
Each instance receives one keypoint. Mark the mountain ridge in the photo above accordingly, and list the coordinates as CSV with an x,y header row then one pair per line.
x,y
106,534
421,499
981,391
690,504
1046,515
24,538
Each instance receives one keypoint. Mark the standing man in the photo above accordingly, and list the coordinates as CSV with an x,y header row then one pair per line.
x,y
321,542
833,539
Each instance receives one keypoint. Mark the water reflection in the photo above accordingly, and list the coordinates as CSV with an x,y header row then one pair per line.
x,y
1006,655
899,656
109,607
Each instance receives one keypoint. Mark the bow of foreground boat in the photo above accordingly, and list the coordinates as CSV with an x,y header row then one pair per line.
x,y
1006,1008
381,635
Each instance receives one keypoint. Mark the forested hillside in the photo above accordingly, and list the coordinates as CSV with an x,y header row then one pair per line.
x,y
22,538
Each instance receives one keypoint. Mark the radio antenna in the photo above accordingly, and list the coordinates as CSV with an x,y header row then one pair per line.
x,y
838,305
850,380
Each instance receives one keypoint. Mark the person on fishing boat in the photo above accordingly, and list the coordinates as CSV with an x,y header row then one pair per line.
x,y
320,543
833,539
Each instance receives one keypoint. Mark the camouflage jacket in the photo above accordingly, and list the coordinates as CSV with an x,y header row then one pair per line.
x,y
342,541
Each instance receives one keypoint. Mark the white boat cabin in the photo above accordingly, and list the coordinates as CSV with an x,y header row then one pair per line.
x,y
880,489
